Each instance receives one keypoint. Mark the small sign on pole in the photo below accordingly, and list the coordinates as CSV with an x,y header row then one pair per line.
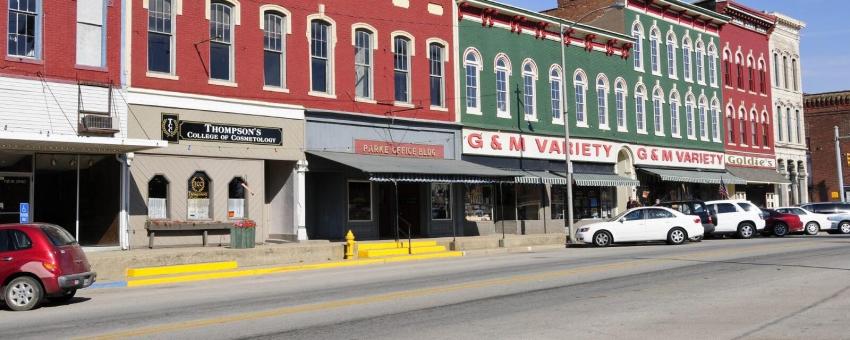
x,y
24,213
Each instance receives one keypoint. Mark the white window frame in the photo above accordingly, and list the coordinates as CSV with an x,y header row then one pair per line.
x,y
690,116
506,70
742,127
529,75
754,125
712,65
332,40
687,66
38,31
672,46
655,51
104,13
411,52
658,111
286,29
444,57
715,120
580,91
703,118
373,42
176,9
675,115
477,66
637,51
231,41
621,94
640,108
602,101
699,60
556,82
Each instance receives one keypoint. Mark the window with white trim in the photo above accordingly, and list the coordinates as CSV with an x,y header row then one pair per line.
x,y
686,58
24,28
320,56
654,46
671,55
776,69
712,65
502,82
221,41
602,101
158,198
730,125
785,72
640,108
620,102
727,69
437,74
160,36
637,56
799,126
715,120
237,199
700,58
363,69
274,49
555,85
674,114
689,116
794,74
703,118
739,70
779,135
754,129
788,124
401,66
472,65
762,76
529,91
658,111
91,33
751,74
580,85
764,130
742,126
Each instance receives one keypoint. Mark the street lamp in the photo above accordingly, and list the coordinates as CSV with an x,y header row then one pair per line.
x,y
619,4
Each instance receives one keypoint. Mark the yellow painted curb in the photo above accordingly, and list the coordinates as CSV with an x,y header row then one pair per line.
x,y
181,269
424,256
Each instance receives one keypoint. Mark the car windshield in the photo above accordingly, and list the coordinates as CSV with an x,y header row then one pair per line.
x,y
58,236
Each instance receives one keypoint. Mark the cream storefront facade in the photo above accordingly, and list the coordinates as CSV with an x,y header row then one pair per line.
x,y
226,160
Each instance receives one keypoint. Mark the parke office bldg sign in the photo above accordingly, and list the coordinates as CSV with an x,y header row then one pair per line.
x,y
174,130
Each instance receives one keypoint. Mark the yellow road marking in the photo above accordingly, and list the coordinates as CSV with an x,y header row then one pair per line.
x,y
194,324
181,269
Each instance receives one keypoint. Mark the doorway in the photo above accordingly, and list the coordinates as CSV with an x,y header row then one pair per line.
x,y
409,210
15,189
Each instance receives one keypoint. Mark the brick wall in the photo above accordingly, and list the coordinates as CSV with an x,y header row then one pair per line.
x,y
820,120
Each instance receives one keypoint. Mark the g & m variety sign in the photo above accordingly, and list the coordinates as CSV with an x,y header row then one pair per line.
x,y
175,130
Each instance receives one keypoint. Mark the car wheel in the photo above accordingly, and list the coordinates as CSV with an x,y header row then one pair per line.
x,y
65,297
812,228
23,293
746,230
677,236
844,227
780,230
602,239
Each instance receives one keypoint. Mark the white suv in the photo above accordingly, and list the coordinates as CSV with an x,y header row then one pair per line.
x,y
738,217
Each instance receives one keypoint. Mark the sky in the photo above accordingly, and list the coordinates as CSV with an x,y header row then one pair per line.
x,y
825,47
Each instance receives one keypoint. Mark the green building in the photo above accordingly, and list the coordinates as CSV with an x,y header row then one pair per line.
x,y
642,108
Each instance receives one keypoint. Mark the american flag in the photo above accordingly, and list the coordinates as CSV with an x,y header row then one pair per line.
x,y
724,194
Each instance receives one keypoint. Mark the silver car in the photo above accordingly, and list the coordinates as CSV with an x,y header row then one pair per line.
x,y
837,212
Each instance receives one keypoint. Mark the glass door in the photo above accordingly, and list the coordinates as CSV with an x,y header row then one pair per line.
x,y
14,190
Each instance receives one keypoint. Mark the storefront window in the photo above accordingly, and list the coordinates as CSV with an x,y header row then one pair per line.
x,y
359,201
528,202
236,198
158,198
441,201
558,207
199,196
507,202
478,204
593,202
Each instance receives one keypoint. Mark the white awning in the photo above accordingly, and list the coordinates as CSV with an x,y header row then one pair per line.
x,y
74,143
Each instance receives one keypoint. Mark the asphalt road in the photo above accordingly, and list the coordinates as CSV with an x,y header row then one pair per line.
x,y
766,288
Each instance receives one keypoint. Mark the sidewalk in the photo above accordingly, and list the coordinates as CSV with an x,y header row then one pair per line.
x,y
113,265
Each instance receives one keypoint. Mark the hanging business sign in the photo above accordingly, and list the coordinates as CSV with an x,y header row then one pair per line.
x,y
174,130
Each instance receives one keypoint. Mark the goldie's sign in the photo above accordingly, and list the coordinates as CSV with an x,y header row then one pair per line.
x,y
751,162
174,130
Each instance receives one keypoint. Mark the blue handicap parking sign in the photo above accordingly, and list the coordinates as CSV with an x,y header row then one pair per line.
x,y
25,213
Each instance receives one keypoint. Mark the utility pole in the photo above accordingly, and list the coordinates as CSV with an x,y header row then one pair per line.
x,y
838,164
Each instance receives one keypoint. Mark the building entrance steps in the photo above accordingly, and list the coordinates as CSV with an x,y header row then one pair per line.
x,y
384,249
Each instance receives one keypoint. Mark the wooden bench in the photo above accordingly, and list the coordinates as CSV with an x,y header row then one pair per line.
x,y
205,227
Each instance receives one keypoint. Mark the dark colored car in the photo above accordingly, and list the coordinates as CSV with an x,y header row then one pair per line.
x,y
781,224
694,208
40,261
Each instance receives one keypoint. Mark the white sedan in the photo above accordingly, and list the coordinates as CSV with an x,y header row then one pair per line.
x,y
643,224
812,222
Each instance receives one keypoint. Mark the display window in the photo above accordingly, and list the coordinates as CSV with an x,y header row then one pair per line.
x,y
593,202
529,201
359,201
199,196
558,193
236,198
441,199
478,205
158,198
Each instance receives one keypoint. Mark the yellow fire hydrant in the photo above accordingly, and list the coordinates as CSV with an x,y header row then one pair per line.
x,y
349,245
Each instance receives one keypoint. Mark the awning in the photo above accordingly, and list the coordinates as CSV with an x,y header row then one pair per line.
x,y
763,176
75,143
695,176
400,169
538,177
604,180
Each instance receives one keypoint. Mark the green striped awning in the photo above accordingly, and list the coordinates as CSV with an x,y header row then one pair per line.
x,y
603,180
695,176
538,177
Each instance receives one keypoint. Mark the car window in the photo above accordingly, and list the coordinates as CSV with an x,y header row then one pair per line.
x,y
823,208
797,211
724,208
634,215
658,213
58,236
5,241
14,240
682,208
784,211
842,207
698,208
746,206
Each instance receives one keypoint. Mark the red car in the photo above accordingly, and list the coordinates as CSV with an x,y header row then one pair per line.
x,y
781,224
39,261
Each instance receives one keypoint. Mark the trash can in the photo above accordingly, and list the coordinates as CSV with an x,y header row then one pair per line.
x,y
243,234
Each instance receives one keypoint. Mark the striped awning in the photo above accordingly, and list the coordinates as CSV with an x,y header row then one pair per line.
x,y
539,177
604,180
759,176
695,176
424,178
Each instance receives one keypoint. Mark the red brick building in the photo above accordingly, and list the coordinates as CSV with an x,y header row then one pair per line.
x,y
747,100
824,111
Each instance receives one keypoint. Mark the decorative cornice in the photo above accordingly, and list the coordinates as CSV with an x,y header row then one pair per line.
x,y
828,99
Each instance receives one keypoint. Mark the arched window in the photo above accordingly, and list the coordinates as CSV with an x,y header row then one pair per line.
x,y
654,46
779,120
715,120
730,125
742,126
640,108
712,65
320,56
580,84
160,35
556,94
674,114
764,129
503,72
620,102
700,57
401,68
703,117
221,41
472,65
199,197
785,72
637,56
236,198
727,68
437,74
689,116
776,69
529,89
602,100
739,68
363,41
789,124
794,73
799,126
754,128
762,77
658,111
686,57
158,198
671,55
751,76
